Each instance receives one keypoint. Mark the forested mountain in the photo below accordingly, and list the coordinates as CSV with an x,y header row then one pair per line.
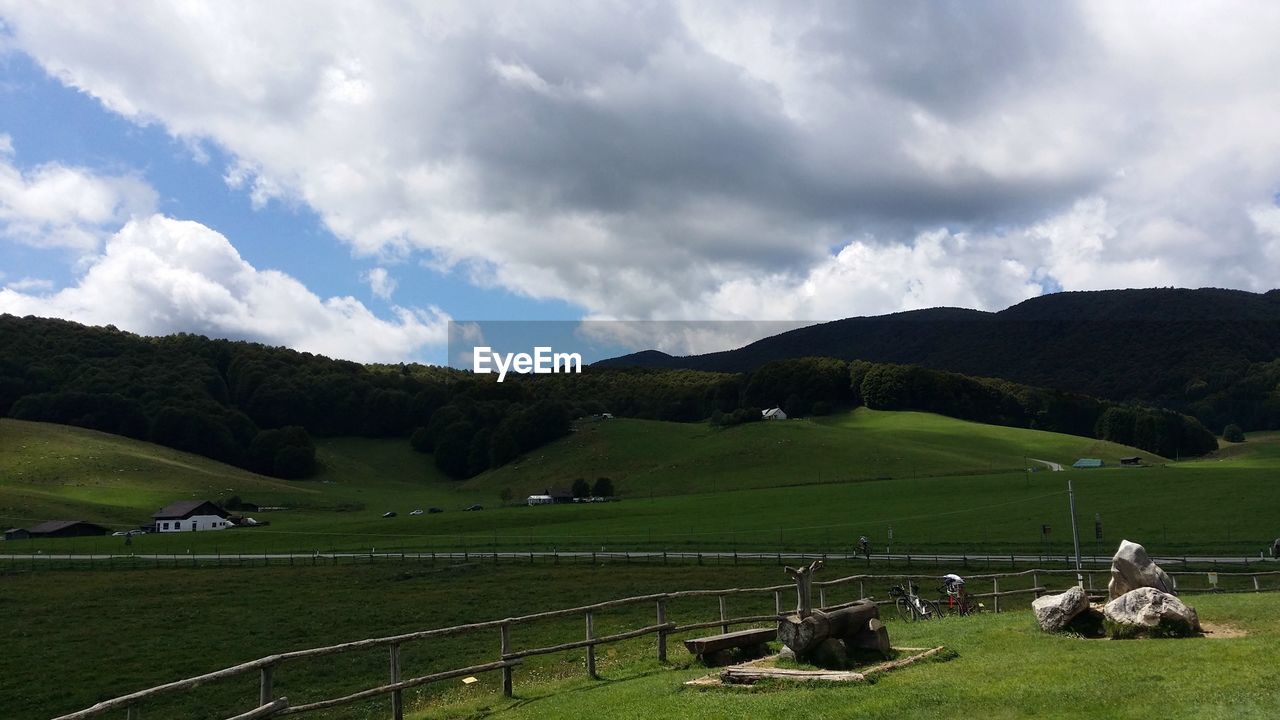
x,y
259,407
255,406
1212,353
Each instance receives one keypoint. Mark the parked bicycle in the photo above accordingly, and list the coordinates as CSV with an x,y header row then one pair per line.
x,y
955,598
911,606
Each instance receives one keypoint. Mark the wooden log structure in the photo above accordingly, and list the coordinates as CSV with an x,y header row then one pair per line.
x,y
750,675
705,646
804,634
803,577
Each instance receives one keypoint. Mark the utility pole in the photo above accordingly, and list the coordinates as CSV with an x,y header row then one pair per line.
x,y
1075,533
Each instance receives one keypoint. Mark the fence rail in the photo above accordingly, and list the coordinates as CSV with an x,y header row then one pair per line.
x,y
663,628
142,561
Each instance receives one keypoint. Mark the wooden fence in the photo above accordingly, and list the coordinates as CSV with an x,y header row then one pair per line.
x,y
663,627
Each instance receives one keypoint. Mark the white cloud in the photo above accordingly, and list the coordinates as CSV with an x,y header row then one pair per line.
x,y
55,205
380,282
157,275
671,159
28,284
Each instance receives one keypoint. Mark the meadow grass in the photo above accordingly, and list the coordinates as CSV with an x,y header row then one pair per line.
x,y
944,500
1003,667
100,634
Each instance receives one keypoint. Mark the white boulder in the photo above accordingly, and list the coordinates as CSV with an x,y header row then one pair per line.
x,y
1148,611
1132,568
1055,612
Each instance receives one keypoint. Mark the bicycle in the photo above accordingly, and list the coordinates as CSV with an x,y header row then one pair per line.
x,y
911,606
958,601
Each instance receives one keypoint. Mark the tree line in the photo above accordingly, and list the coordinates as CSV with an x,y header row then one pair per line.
x,y
261,407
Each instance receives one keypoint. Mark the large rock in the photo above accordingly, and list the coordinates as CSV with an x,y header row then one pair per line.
x,y
1150,612
1132,568
1055,612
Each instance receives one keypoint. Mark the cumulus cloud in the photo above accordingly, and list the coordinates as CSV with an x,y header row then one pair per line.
x,y
673,159
380,282
157,275
55,205
28,284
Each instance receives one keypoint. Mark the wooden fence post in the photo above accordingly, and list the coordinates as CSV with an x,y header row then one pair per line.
x,y
591,649
397,698
1256,587
662,634
264,685
1035,585
995,597
861,593
724,627
777,602
505,648
134,713
822,597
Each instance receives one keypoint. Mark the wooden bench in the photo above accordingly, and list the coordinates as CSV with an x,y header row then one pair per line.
x,y
702,647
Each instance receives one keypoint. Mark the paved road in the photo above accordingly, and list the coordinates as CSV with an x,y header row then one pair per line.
x,y
1056,467
1094,561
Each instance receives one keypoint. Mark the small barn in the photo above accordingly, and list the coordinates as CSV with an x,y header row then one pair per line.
x,y
1131,461
773,414
540,500
65,528
16,534
1085,463
191,515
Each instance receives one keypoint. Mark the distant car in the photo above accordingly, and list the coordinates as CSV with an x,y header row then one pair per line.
x,y
474,507
434,510
416,512
119,533
139,531
389,514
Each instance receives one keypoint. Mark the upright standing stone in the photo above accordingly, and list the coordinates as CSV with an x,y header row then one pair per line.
x,y
1132,568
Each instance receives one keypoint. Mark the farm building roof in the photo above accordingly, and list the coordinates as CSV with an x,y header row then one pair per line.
x,y
186,508
1087,463
50,527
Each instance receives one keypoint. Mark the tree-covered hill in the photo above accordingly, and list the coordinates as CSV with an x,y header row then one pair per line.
x,y
1211,353
260,407
254,406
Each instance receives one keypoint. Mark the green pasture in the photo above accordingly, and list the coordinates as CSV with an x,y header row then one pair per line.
x,y
648,457
101,634
942,485
1002,667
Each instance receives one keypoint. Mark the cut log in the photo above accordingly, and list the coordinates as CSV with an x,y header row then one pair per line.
x,y
748,675
874,637
742,638
802,635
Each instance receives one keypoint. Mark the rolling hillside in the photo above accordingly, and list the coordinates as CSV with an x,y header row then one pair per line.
x,y
938,483
644,457
60,472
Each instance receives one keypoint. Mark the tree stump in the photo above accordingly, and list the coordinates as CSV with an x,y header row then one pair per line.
x,y
874,637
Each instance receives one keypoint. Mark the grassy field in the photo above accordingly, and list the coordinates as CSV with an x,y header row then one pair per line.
x,y
646,457
1004,667
102,634
942,485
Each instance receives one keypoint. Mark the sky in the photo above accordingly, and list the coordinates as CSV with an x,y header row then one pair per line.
x,y
346,178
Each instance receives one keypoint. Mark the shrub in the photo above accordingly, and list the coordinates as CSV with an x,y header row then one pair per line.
x,y
1232,433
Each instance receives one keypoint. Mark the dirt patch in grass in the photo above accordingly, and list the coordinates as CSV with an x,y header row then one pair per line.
x,y
1219,631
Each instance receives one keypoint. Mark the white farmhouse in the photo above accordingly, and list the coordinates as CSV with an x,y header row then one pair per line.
x,y
540,500
773,414
191,515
